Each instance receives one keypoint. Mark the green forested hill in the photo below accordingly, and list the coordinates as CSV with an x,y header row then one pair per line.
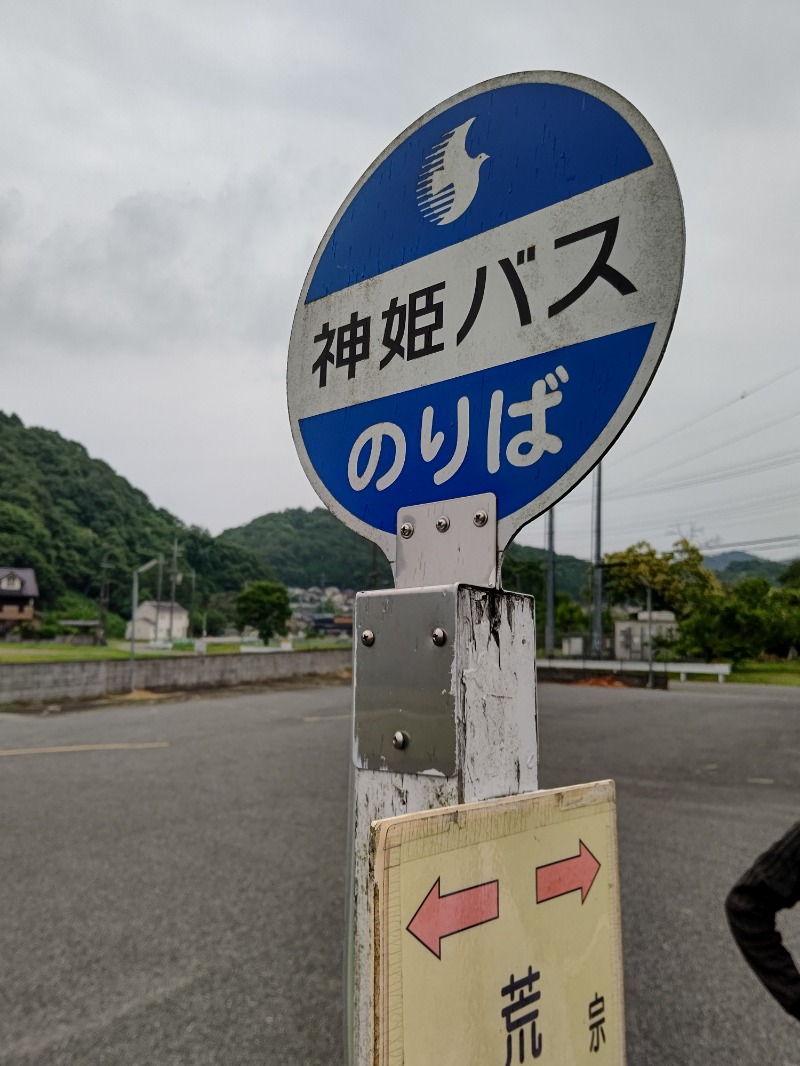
x,y
66,514
573,575
736,566
72,519
307,548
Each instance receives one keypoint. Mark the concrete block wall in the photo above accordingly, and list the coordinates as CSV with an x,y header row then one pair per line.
x,y
51,682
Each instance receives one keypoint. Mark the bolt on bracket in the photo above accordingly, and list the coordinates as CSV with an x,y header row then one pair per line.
x,y
404,697
447,542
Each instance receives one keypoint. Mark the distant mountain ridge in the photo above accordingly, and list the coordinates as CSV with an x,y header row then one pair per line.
x,y
73,519
722,560
731,567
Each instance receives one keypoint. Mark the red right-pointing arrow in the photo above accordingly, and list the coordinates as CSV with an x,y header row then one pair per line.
x,y
567,875
439,916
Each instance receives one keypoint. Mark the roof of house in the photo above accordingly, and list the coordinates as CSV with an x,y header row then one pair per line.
x,y
26,575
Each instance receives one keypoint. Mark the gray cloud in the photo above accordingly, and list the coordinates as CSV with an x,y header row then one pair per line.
x,y
169,169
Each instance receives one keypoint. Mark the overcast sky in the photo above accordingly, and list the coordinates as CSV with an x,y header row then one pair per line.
x,y
167,170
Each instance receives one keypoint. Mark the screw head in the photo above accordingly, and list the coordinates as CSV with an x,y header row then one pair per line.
x,y
439,637
368,638
443,523
480,518
406,530
400,739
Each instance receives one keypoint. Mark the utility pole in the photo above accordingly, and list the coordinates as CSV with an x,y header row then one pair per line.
x,y
649,588
158,594
597,592
549,628
104,567
173,580
134,604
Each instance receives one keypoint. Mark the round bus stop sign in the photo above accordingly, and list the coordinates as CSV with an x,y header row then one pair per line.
x,y
489,305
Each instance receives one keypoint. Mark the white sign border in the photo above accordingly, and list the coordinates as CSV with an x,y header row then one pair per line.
x,y
508,527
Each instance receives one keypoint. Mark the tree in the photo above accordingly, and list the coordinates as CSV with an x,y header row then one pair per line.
x,y
790,578
78,524
216,622
265,606
570,616
523,574
743,622
678,578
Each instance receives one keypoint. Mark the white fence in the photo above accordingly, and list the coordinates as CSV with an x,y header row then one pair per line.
x,y
616,666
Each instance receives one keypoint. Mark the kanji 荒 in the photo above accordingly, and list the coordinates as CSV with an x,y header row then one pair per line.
x,y
520,1012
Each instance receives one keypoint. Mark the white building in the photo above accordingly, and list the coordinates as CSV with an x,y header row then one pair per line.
x,y
152,622
630,636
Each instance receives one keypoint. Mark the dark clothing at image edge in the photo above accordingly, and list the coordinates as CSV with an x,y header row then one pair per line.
x,y
771,884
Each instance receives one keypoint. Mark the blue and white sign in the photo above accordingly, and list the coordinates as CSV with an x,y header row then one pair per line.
x,y
489,305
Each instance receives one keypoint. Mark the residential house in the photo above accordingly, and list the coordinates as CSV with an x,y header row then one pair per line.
x,y
18,593
153,621
630,637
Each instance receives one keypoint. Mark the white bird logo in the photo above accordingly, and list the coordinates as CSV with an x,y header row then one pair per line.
x,y
449,177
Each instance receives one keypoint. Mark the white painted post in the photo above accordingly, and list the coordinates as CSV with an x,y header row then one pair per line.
x,y
493,685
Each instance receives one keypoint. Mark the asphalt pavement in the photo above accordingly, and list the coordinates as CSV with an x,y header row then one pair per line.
x,y
173,875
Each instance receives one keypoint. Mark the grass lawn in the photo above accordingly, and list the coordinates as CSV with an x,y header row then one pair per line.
x,y
36,652
756,673
321,645
46,652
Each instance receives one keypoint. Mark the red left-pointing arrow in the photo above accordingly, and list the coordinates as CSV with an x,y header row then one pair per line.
x,y
439,916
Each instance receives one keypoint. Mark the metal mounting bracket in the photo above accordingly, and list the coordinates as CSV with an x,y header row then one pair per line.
x,y
447,542
404,700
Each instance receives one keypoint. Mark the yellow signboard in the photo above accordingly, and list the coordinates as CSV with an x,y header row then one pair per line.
x,y
497,933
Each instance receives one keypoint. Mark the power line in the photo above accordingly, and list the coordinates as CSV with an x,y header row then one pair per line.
x,y
721,474
725,473
774,542
709,515
737,438
704,417
753,507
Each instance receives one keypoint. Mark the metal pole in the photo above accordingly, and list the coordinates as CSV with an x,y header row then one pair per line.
x,y
489,697
104,567
173,575
549,629
134,598
134,602
158,593
649,634
597,601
